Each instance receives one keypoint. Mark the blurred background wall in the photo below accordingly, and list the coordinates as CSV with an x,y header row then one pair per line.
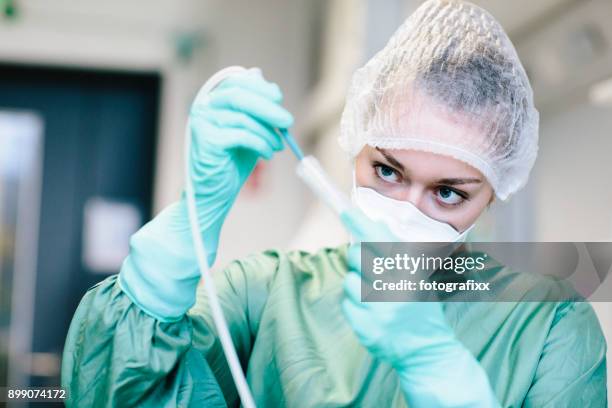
x,y
107,86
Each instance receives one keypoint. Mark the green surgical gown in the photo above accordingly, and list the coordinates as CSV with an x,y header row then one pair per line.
x,y
284,315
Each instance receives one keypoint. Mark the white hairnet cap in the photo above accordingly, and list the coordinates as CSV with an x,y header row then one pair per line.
x,y
448,82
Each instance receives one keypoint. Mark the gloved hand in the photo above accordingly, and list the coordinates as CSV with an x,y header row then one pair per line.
x,y
231,128
434,368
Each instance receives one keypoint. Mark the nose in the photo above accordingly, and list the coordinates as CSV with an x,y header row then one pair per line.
x,y
415,194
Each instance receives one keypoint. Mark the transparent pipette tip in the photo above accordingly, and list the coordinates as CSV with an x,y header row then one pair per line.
x,y
310,171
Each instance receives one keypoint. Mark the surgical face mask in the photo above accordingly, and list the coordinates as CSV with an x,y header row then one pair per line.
x,y
404,219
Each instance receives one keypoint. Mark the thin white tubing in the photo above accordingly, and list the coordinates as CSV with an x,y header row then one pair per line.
x,y
200,250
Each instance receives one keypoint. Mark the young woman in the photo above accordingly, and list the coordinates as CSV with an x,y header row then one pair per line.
x,y
439,123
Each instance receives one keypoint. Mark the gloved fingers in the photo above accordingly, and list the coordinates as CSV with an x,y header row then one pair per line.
x,y
354,257
224,139
230,138
352,287
356,222
356,252
364,229
360,319
254,82
223,118
240,138
263,109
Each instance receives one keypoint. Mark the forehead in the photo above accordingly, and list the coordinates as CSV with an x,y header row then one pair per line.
x,y
420,117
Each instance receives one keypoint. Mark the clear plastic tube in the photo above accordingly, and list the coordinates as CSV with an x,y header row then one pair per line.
x,y
310,171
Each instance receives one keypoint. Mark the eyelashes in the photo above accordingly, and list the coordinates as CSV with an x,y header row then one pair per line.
x,y
448,196
445,196
386,173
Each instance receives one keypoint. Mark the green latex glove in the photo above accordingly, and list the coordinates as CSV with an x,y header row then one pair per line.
x,y
434,368
231,127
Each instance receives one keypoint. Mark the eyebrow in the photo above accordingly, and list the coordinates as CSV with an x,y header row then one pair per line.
x,y
446,181
391,159
459,181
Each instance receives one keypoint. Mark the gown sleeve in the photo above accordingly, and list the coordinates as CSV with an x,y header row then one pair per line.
x,y
572,367
117,355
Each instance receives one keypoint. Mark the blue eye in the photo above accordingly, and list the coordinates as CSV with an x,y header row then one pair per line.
x,y
449,196
386,173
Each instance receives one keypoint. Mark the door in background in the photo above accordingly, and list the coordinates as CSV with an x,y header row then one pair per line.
x,y
97,162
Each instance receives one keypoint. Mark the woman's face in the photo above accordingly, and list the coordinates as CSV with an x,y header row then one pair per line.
x,y
444,188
